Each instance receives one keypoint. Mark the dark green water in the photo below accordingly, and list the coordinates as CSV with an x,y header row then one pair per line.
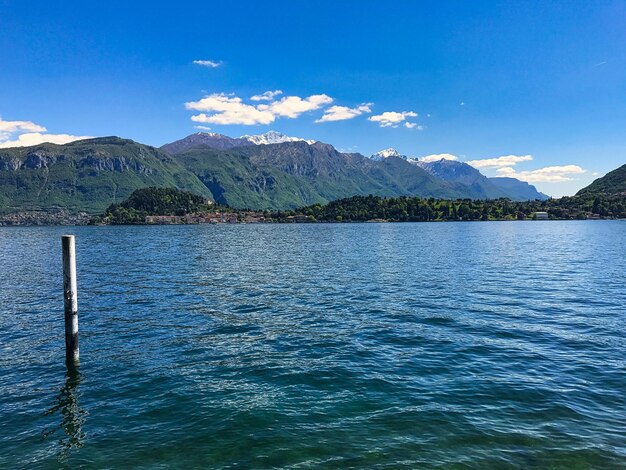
x,y
450,345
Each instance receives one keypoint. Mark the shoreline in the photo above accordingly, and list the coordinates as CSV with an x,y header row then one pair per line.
x,y
278,222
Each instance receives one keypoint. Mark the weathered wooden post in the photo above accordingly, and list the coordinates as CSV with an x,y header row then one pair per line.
x,y
70,297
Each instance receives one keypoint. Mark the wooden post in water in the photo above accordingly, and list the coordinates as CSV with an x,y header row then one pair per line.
x,y
70,297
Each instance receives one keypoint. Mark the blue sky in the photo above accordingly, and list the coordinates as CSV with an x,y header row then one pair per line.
x,y
541,83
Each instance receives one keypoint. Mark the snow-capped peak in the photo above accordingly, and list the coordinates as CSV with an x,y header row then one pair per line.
x,y
273,137
210,134
390,152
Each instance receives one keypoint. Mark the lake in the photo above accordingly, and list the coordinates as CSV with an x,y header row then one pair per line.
x,y
430,345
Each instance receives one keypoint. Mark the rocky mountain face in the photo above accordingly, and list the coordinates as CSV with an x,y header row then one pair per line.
x,y
86,175
293,174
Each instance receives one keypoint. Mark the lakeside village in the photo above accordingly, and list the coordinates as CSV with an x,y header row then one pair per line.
x,y
256,217
251,217
245,217
64,217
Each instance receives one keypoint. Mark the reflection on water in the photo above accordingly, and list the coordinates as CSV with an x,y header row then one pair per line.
x,y
72,416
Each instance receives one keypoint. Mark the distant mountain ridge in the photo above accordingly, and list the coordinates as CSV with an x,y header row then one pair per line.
x,y
204,139
486,188
518,190
459,172
481,186
223,142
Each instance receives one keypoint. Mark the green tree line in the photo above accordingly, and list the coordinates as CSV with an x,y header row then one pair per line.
x,y
170,201
414,209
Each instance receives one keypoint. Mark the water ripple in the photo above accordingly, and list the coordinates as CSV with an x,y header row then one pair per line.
x,y
478,345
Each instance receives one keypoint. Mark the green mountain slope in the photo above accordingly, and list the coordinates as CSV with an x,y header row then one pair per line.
x,y
234,180
401,178
293,174
613,182
86,175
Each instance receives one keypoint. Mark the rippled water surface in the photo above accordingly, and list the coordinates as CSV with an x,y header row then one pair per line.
x,y
449,345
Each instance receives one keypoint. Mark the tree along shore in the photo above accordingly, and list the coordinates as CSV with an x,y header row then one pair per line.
x,y
144,205
413,209
173,206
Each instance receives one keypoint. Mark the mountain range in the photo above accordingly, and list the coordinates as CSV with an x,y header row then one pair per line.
x,y
479,185
292,174
268,171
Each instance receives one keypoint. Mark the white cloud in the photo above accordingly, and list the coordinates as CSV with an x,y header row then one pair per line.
x,y
220,108
438,156
391,118
36,138
500,162
203,128
595,173
549,174
267,96
212,64
228,110
9,127
294,106
29,133
342,113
